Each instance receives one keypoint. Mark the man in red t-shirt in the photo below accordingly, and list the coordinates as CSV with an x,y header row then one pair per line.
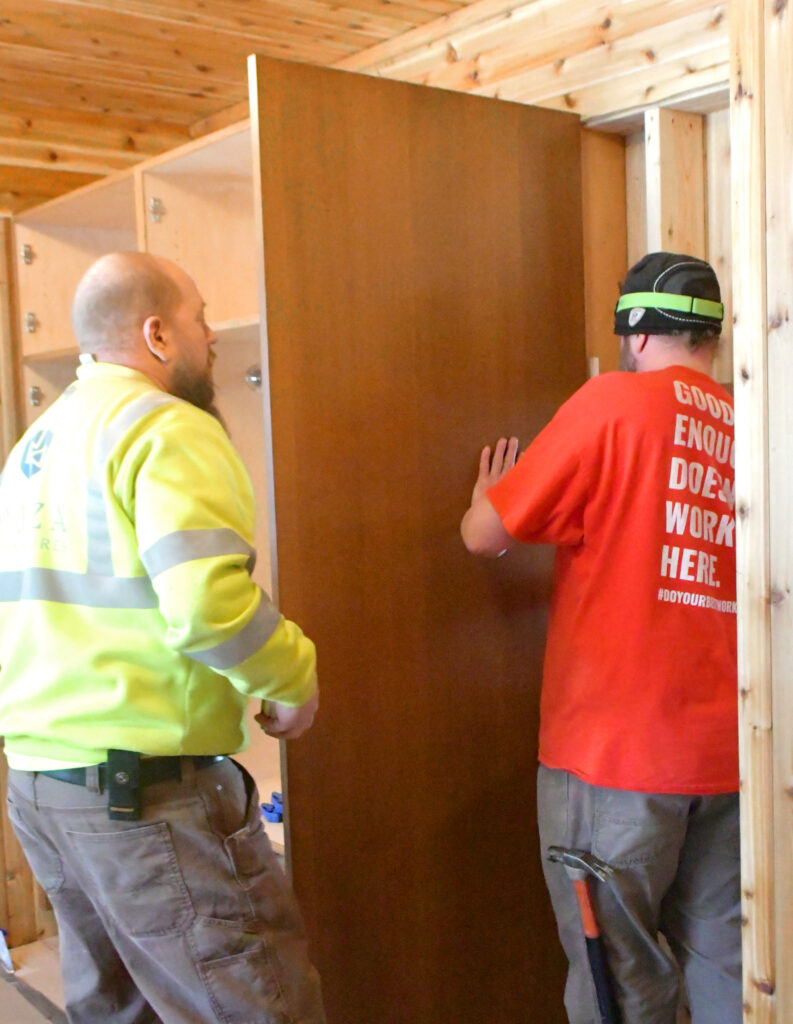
x,y
633,481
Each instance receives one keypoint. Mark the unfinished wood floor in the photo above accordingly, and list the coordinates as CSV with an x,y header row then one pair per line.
x,y
34,993
15,1009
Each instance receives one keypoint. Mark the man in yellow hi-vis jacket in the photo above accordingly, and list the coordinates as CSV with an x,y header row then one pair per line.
x,y
131,639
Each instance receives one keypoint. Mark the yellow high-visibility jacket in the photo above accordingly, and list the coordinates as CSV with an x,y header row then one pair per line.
x,y
128,616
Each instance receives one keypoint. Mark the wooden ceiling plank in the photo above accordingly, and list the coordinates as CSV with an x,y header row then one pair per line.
x,y
44,102
488,57
222,119
30,62
379,55
103,99
61,127
527,18
25,153
483,50
410,15
674,41
702,75
155,44
248,21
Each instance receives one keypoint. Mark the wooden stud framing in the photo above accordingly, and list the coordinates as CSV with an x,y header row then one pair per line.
x,y
778,93
675,176
636,196
605,242
747,57
9,363
18,899
718,227
25,912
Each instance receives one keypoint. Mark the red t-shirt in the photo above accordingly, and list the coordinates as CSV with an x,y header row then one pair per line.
x,y
633,481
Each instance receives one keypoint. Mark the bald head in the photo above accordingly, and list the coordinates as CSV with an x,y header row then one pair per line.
x,y
115,297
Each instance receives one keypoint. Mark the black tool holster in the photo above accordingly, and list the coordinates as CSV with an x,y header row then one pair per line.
x,y
124,800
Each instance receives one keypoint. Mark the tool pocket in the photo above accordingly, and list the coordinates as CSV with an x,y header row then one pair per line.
x,y
637,830
135,874
238,973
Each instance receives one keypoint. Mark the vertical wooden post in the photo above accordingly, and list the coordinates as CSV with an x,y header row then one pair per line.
x,y
747,59
675,176
10,418
636,196
19,897
778,94
17,903
25,912
719,230
605,242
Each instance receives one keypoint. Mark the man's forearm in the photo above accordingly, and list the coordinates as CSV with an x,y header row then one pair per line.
x,y
483,532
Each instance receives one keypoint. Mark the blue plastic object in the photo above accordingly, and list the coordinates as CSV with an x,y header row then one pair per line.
x,y
272,813
278,800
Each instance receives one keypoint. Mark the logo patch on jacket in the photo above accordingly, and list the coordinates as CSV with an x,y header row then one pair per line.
x,y
35,452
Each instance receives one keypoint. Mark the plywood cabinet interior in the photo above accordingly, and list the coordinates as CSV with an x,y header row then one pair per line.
x,y
55,244
198,211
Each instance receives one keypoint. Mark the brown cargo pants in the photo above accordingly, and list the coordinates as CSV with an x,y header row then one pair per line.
x,y
182,917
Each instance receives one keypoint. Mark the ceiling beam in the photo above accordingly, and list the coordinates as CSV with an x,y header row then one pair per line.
x,y
545,30
583,45
70,159
88,132
675,41
698,84
222,119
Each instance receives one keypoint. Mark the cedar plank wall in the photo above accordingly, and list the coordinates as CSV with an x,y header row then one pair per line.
x,y
761,118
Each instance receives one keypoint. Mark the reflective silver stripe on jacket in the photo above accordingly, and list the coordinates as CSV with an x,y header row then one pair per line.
x,y
86,589
187,545
99,550
247,642
97,587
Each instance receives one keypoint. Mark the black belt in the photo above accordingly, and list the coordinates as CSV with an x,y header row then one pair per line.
x,y
152,769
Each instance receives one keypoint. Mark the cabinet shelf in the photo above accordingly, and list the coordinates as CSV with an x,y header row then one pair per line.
x,y
244,329
234,331
52,355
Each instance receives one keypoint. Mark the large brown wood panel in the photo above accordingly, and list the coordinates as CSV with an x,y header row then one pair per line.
x,y
423,266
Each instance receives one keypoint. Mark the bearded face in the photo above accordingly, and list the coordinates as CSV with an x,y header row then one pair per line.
x,y
197,387
194,386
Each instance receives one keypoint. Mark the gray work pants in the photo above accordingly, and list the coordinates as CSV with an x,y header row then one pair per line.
x,y
182,917
677,859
